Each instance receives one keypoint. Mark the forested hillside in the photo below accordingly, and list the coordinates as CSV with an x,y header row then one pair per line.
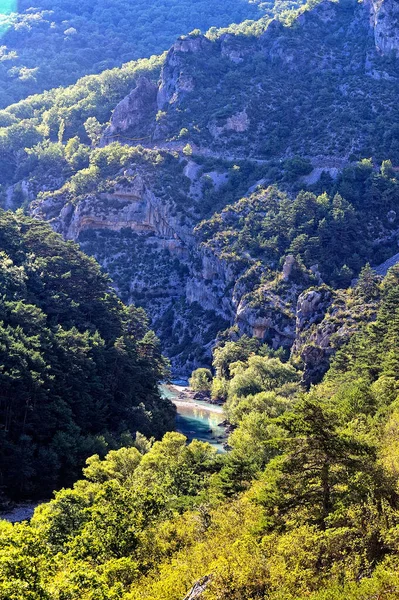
x,y
304,506
79,370
70,156
54,43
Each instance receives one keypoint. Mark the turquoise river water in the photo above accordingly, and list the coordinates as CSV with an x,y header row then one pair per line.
x,y
196,419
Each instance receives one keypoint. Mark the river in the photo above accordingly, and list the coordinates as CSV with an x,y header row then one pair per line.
x,y
197,419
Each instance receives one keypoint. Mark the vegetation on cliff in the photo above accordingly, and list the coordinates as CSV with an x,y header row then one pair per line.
x,y
336,231
55,43
264,183
206,150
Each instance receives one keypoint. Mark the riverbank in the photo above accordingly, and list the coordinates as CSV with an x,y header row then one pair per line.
x,y
183,395
217,410
197,418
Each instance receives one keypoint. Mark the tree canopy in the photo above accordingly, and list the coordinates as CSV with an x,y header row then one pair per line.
x,y
79,370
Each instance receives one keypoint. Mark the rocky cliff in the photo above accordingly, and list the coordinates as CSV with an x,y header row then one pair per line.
x,y
136,110
222,119
131,205
233,92
385,21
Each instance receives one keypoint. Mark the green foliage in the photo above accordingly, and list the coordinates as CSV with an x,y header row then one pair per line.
x,y
78,110
201,380
321,471
230,352
259,374
305,505
55,43
306,502
187,150
118,464
77,367
296,167
255,66
121,516
335,232
367,286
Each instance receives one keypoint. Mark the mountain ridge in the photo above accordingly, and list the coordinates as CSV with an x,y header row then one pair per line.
x,y
202,150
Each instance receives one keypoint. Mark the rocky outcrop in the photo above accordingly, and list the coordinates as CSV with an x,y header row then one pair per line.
x,y
238,123
136,114
265,311
198,589
232,49
134,111
310,306
325,321
207,285
130,206
270,319
312,324
312,334
288,267
176,81
385,21
388,264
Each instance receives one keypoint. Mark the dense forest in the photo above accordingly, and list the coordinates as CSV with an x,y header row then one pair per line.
x,y
79,370
60,159
55,43
334,230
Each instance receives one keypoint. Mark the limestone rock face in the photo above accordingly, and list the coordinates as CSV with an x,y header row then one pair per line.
x,y
313,334
325,320
385,20
288,267
307,307
175,80
269,319
16,194
239,123
388,264
233,50
207,286
135,108
132,206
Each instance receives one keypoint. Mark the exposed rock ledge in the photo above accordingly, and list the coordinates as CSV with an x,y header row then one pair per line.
x,y
385,20
133,109
196,592
132,206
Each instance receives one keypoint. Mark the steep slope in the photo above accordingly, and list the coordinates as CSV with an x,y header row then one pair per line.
x,y
54,43
269,93
256,104
79,370
385,19
305,505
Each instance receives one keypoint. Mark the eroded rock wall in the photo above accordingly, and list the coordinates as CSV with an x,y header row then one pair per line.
x,y
385,21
